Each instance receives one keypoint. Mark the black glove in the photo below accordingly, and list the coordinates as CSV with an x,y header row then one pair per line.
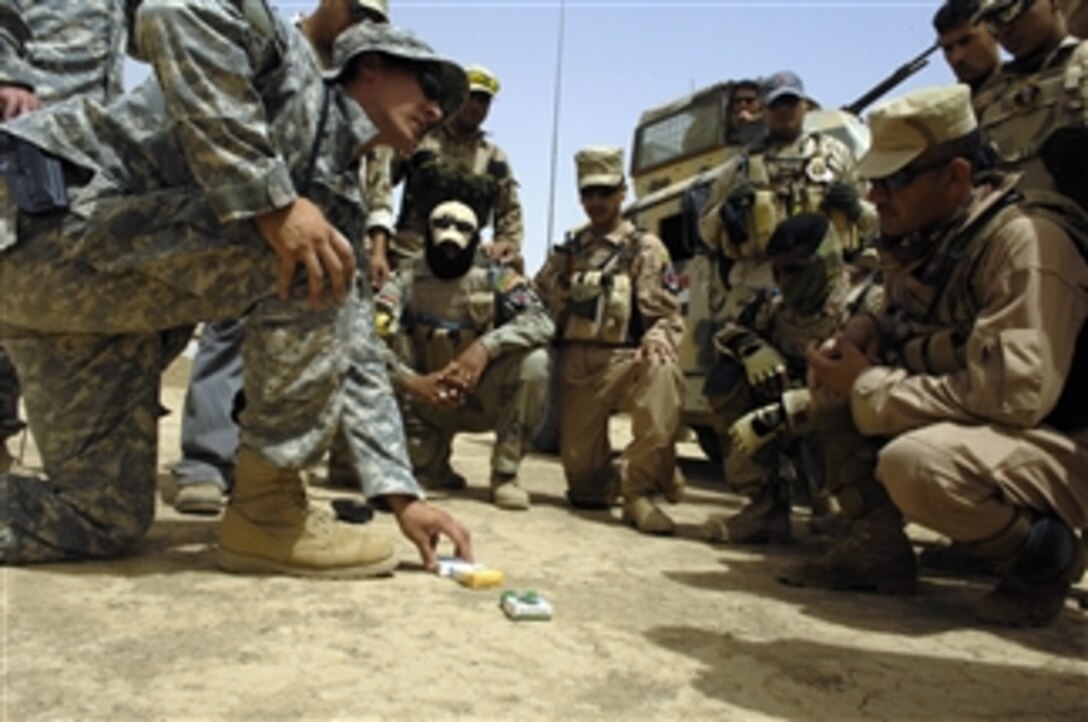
x,y
734,211
843,197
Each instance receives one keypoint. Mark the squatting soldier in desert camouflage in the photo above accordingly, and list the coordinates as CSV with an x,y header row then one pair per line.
x,y
974,373
53,50
474,336
612,292
174,194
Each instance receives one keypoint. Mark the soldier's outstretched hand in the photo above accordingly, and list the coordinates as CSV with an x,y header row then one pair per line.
x,y
425,525
300,234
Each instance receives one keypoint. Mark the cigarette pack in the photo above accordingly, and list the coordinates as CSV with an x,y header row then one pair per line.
x,y
525,606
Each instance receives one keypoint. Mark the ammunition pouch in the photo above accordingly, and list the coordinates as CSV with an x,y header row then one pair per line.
x,y
34,177
599,308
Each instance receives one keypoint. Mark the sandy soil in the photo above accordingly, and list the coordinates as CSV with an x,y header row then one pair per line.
x,y
643,629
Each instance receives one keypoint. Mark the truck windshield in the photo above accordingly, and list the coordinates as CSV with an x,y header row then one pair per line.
x,y
689,131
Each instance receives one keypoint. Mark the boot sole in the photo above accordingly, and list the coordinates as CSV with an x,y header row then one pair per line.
x,y
244,564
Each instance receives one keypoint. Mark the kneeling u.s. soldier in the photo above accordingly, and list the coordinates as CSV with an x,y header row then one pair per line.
x,y
198,197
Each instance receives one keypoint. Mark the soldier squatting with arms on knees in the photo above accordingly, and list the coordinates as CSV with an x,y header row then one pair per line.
x,y
961,405
50,52
99,295
760,356
612,292
473,338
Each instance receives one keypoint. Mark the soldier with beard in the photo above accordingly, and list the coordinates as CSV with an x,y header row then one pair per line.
x,y
473,354
762,354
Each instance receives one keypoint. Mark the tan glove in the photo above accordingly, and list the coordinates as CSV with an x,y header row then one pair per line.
x,y
764,367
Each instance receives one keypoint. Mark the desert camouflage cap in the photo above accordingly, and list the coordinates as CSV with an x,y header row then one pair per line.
x,y
599,166
399,43
482,80
378,7
904,128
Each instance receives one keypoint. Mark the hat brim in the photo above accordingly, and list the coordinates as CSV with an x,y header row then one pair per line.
x,y
782,93
882,163
609,180
478,88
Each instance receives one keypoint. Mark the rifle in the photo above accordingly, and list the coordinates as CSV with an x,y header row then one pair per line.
x,y
898,76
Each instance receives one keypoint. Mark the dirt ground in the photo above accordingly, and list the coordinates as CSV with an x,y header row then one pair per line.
x,y
644,628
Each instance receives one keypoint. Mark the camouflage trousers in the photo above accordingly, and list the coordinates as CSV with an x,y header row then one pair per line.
x,y
83,313
510,400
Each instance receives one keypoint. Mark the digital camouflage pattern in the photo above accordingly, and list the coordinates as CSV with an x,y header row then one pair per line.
x,y
438,318
153,244
65,50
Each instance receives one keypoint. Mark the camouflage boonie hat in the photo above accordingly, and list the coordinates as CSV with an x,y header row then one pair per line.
x,y
599,166
378,7
403,44
903,129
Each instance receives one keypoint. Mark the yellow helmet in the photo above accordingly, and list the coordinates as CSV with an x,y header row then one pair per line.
x,y
481,80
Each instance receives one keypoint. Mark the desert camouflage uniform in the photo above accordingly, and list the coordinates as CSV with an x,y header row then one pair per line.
x,y
1026,104
438,319
472,170
154,243
60,51
797,175
597,377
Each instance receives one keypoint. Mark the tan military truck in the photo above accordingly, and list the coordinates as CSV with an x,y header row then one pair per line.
x,y
678,150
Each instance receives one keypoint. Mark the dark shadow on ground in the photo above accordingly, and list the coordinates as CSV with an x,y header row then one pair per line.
x,y
806,679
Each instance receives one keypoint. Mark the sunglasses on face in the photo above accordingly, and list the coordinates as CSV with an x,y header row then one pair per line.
x,y
444,222
432,89
598,191
745,100
905,176
998,19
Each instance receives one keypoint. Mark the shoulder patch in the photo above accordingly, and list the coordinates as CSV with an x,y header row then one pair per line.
x,y
669,278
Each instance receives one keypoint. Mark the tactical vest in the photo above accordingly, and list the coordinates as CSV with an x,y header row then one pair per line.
x,y
601,306
931,338
447,316
786,185
1023,110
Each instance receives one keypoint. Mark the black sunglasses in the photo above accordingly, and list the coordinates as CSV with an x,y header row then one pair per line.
x,y
598,191
903,177
443,222
430,85
999,18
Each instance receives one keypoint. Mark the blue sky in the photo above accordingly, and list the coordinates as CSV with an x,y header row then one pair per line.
x,y
621,57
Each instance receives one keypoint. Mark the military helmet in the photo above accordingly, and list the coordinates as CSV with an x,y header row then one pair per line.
x,y
360,9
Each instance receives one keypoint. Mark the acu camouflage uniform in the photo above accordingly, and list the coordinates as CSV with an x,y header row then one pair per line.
x,y
436,319
446,167
610,294
59,51
163,185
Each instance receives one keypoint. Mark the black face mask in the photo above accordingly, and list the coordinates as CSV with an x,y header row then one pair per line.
x,y
444,267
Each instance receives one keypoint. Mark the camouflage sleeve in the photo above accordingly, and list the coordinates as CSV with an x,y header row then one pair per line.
x,y
843,161
391,306
523,322
548,283
378,189
656,289
508,217
710,223
206,57
14,33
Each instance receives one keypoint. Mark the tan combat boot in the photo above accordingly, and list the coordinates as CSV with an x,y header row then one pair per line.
x,y
507,494
646,516
1048,560
765,519
875,555
269,529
